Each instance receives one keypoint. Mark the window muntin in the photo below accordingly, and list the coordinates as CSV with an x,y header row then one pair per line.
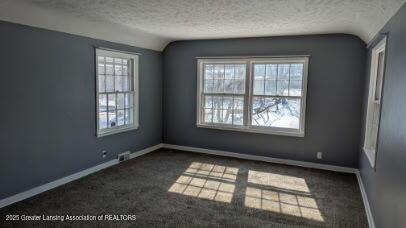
x,y
374,101
117,92
255,95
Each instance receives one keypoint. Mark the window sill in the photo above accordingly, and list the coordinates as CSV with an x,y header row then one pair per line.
x,y
371,155
252,129
116,131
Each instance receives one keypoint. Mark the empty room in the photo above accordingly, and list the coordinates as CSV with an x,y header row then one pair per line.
x,y
203,113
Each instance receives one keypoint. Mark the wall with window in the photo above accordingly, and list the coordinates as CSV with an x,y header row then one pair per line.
x,y
48,112
385,184
333,102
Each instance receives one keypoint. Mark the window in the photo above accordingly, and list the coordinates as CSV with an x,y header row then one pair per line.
x,y
264,95
117,92
374,101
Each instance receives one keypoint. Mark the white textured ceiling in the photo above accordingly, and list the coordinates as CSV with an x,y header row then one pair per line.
x,y
157,22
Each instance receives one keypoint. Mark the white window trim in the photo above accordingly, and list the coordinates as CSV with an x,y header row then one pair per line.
x,y
135,67
380,47
249,88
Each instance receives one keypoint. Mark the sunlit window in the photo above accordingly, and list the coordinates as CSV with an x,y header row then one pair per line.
x,y
117,92
255,95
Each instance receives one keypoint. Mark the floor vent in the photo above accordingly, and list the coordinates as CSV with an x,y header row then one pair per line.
x,y
124,156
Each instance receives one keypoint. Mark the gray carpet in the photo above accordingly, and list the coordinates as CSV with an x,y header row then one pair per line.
x,y
170,188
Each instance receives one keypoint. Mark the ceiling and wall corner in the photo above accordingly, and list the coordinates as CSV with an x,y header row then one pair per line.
x,y
153,24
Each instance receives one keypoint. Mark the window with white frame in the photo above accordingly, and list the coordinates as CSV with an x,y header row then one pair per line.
x,y
374,100
117,91
264,95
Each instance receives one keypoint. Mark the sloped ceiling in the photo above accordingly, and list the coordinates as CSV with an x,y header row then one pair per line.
x,y
154,23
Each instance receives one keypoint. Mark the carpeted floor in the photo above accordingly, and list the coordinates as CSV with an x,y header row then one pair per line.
x,y
170,188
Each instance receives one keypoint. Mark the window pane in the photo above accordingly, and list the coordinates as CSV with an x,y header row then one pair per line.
x,y
208,101
102,102
109,69
208,85
379,76
270,87
240,71
118,60
295,88
102,120
217,116
118,70
109,83
120,117
208,71
100,59
112,119
238,103
276,112
102,83
229,72
208,115
119,84
259,71
111,102
283,87
100,68
238,117
228,103
217,102
228,86
271,71
125,70
120,101
126,83
258,87
239,86
109,59
218,86
128,100
296,71
227,116
217,109
238,106
219,71
128,116
283,71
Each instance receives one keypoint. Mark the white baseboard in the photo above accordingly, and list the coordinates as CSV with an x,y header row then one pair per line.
x,y
263,158
366,202
67,179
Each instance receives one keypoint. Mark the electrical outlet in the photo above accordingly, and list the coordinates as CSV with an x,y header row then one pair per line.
x,y
319,155
104,154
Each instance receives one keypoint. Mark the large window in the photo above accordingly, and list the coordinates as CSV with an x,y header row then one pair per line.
x,y
117,92
264,95
374,101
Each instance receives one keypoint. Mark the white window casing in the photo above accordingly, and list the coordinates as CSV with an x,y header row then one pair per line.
x,y
258,94
374,101
117,92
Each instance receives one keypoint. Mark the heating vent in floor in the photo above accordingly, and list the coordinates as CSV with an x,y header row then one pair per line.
x,y
124,156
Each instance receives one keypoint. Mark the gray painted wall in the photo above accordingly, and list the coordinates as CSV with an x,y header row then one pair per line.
x,y
386,186
48,106
334,99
